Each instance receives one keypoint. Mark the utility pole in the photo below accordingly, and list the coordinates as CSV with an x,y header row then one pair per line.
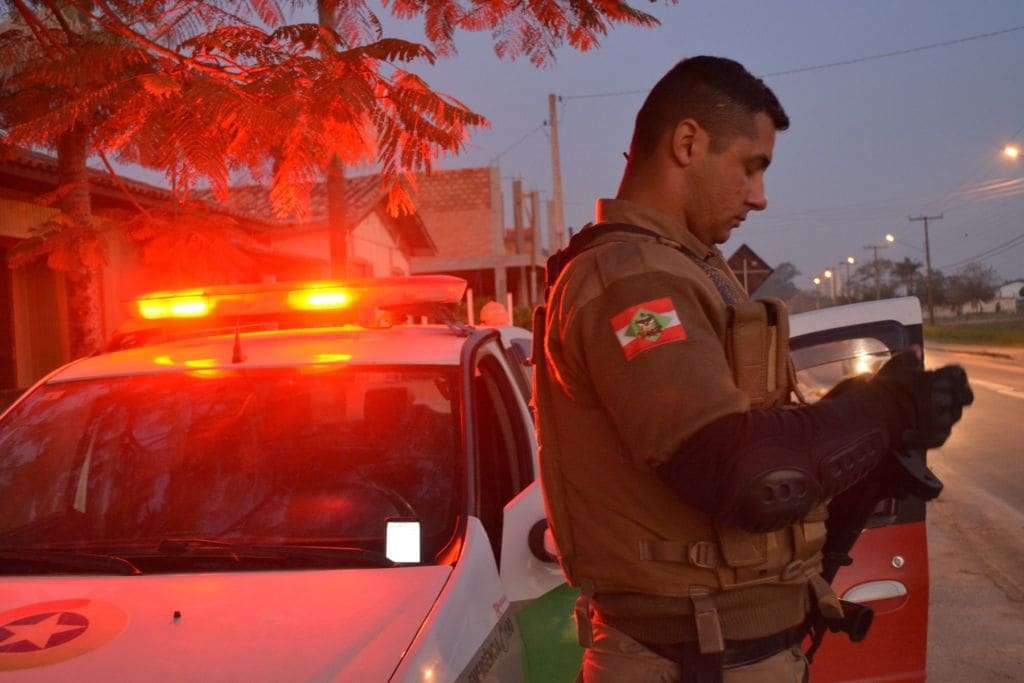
x,y
517,224
878,273
534,237
927,263
558,227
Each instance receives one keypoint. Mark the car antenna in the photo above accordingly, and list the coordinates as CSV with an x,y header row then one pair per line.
x,y
236,353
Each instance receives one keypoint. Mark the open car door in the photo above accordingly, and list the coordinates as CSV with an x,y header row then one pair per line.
x,y
890,559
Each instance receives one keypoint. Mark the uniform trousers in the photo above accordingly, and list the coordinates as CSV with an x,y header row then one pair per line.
x,y
614,657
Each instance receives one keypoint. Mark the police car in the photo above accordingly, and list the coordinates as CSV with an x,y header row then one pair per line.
x,y
301,482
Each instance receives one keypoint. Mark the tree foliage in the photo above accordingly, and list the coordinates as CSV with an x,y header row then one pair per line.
x,y
202,89
974,284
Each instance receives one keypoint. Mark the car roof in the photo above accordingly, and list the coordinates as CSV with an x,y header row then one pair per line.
x,y
399,345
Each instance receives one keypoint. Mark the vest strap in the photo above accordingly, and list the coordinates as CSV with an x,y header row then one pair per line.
x,y
705,616
828,603
702,554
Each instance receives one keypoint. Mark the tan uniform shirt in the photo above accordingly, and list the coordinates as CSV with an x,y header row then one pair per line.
x,y
656,389
636,364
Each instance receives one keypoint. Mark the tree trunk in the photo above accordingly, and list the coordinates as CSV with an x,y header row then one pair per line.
x,y
337,213
85,303
337,218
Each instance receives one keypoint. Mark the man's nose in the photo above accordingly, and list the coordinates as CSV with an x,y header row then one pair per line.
x,y
756,199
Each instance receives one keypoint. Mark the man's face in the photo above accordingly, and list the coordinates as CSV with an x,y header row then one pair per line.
x,y
729,183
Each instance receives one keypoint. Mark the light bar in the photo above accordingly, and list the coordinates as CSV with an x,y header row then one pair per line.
x,y
319,299
232,301
174,307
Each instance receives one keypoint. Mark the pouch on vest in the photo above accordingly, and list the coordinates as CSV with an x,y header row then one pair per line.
x,y
757,349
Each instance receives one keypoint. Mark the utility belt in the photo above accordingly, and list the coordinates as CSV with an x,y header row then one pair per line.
x,y
736,653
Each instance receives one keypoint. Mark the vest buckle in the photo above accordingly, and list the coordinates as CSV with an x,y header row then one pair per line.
x,y
794,570
703,554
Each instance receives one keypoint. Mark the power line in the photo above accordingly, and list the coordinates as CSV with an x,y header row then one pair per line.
x,y
988,253
495,160
832,65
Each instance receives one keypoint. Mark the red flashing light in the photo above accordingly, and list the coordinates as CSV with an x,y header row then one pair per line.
x,y
187,306
231,301
319,298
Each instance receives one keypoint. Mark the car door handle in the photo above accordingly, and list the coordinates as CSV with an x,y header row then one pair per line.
x,y
873,591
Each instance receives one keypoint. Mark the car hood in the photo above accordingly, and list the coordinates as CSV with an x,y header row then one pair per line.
x,y
351,624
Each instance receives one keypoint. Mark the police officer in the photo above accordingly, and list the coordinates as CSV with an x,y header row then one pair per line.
x,y
684,489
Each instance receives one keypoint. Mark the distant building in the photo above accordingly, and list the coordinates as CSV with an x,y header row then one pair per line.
x,y
1012,290
751,269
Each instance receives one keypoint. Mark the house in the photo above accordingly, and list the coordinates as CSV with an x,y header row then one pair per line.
x,y
1012,292
750,268
34,333
461,211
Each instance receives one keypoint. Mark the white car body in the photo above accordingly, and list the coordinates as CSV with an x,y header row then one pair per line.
x,y
456,620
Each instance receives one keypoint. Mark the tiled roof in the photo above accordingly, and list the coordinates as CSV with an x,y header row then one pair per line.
x,y
48,164
463,189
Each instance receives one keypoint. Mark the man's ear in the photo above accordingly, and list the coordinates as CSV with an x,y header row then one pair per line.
x,y
684,140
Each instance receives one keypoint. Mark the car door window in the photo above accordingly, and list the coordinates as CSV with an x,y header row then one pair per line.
x,y
823,366
503,446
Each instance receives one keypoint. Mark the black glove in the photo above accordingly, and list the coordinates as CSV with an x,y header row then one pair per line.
x,y
921,406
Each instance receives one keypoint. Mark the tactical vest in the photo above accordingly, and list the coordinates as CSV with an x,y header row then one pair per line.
x,y
683,551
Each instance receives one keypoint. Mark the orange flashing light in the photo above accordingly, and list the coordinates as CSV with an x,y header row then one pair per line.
x,y
319,298
174,307
332,357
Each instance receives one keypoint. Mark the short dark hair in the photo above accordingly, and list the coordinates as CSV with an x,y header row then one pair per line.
x,y
718,93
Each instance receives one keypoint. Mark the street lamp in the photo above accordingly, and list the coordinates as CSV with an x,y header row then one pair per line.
x,y
890,238
1011,151
832,284
849,262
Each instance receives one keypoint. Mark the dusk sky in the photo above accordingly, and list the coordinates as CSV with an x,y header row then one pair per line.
x,y
869,144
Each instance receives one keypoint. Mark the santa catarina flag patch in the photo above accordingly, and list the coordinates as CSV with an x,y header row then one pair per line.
x,y
647,325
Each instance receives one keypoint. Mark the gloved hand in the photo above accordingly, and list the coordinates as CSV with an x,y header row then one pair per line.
x,y
921,405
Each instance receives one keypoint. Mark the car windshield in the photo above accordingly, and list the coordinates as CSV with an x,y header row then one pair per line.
x,y
307,456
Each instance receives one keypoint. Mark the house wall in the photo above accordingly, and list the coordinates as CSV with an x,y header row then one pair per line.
x,y
372,248
374,245
462,211
18,216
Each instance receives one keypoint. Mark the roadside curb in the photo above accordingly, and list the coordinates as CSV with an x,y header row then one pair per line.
x,y
1017,357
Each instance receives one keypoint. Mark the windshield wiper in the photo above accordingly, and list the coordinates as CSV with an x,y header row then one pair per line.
x,y
361,556
280,551
70,558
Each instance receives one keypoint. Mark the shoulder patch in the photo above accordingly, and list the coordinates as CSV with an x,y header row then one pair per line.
x,y
647,325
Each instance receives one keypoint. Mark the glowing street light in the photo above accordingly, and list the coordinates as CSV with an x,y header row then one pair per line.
x,y
828,273
890,238
1011,151
816,280
850,260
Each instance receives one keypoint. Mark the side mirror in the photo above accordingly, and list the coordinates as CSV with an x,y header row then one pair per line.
x,y
542,542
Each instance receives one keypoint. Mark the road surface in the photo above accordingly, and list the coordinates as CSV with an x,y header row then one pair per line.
x,y
976,531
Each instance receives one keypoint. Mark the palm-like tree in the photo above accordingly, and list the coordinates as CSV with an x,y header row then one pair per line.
x,y
906,273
